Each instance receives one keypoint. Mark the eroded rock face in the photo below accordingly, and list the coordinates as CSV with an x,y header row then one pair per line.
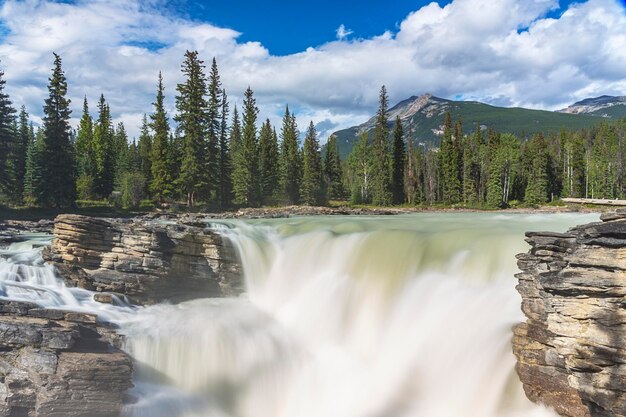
x,y
59,364
571,351
145,260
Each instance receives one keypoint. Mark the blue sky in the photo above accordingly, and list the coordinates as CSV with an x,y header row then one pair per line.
x,y
287,26
325,59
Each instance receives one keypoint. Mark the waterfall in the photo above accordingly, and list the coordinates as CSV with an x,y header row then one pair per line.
x,y
403,316
351,317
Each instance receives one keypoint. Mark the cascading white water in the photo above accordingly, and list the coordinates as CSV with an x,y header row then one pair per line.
x,y
353,317
404,316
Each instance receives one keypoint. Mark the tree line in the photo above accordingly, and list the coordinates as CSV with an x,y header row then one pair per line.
x,y
220,160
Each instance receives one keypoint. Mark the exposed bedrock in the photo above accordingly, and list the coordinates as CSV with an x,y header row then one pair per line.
x,y
571,350
144,259
59,364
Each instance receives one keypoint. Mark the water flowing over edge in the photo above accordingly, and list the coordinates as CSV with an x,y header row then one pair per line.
x,y
343,317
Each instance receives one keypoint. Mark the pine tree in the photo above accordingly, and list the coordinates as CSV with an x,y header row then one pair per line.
x,y
234,139
451,184
360,171
537,188
123,161
57,185
161,183
246,175
7,139
290,159
85,146
313,188
333,174
397,163
224,194
213,132
20,153
268,161
104,151
471,167
32,176
192,125
144,150
381,173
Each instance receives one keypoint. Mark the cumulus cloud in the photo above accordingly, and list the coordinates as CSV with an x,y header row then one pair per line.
x,y
509,52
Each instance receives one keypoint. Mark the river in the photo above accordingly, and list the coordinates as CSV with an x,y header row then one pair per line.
x,y
397,316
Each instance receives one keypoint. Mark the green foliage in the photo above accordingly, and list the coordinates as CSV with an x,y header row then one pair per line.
x,y
358,174
333,172
7,139
85,187
290,159
313,187
56,187
160,161
268,161
85,145
133,185
224,192
104,151
192,125
381,159
398,162
537,188
246,182
32,175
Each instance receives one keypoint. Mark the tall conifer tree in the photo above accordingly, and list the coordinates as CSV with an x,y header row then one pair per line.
x,y
57,185
290,159
7,139
313,189
397,163
161,183
246,176
332,170
381,173
268,161
192,127
224,195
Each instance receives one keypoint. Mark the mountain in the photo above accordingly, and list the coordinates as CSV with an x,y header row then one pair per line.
x,y
423,116
604,106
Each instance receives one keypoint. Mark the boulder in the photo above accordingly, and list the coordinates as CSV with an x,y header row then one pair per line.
x,y
147,260
59,364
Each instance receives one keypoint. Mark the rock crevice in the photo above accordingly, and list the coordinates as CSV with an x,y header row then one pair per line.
x,y
571,350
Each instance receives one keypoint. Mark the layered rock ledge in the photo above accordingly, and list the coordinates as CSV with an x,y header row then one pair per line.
x,y
571,351
59,364
147,260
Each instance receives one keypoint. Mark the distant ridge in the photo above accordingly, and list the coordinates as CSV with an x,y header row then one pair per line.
x,y
423,116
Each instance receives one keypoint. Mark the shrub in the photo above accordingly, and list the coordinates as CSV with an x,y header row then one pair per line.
x,y
133,189
84,187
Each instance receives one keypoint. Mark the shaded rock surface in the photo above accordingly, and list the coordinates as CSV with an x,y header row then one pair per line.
x,y
571,351
147,260
59,364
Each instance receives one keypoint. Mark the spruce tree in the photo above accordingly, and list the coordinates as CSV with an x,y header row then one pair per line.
x,y
57,185
537,187
7,139
313,187
398,163
192,127
333,174
20,153
123,157
381,173
268,161
360,171
161,182
104,150
290,159
451,184
224,192
234,140
214,107
85,146
144,150
246,182
32,176
471,167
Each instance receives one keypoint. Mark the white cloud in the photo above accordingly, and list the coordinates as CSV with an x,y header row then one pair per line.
x,y
505,52
342,32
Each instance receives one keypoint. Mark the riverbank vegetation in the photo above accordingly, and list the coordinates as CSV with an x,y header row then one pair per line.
x,y
208,155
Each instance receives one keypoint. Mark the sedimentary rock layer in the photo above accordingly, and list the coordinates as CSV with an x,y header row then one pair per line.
x,y
571,351
59,364
146,260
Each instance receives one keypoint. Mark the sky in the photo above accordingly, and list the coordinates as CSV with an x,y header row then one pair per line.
x,y
325,59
